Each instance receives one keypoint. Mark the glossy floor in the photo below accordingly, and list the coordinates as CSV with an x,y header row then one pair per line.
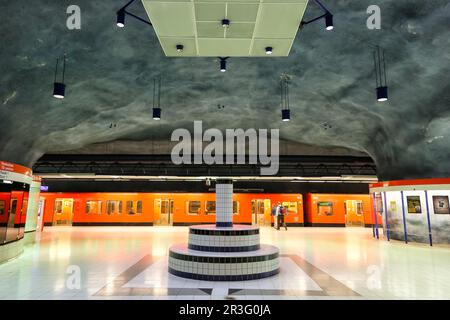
x,y
131,263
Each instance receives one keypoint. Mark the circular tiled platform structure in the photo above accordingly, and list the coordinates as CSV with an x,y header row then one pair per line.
x,y
223,254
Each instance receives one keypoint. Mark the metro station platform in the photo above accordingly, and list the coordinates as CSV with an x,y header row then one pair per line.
x,y
315,263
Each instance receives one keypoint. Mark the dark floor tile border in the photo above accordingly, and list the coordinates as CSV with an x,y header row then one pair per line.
x,y
224,249
208,277
329,285
203,259
212,232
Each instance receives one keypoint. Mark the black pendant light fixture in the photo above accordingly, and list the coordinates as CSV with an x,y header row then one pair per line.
x,y
122,12
380,74
284,94
223,64
59,87
157,98
327,15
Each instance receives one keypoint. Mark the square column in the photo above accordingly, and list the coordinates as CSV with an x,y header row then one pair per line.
x,y
224,203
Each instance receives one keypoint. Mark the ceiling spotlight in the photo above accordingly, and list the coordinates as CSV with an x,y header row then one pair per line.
x,y
7,181
382,94
223,64
269,50
156,113
59,88
380,74
329,22
180,48
286,115
121,18
225,23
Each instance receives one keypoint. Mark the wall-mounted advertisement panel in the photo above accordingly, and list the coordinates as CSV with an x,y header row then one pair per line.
x,y
441,205
414,205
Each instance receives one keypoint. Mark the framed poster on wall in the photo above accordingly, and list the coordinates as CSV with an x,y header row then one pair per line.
x,y
414,205
393,206
441,205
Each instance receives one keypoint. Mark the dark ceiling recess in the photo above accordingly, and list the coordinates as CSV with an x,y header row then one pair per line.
x,y
161,165
62,185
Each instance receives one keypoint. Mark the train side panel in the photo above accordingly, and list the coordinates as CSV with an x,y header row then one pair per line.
x,y
338,210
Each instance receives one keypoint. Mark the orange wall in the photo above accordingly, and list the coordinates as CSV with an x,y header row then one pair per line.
x,y
180,214
338,217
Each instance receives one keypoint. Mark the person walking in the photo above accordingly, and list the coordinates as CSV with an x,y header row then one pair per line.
x,y
274,215
281,213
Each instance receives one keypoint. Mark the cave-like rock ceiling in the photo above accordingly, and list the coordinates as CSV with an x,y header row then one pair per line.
x,y
110,74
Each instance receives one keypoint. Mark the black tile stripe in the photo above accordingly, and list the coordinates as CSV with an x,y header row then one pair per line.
x,y
224,224
212,232
201,259
208,277
224,249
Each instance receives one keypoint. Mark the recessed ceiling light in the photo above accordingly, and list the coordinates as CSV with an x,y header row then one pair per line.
x,y
225,23
180,48
269,50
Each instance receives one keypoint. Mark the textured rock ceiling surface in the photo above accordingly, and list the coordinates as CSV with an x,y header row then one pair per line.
x,y
110,72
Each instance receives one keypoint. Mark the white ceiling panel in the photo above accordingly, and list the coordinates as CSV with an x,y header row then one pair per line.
x,y
254,25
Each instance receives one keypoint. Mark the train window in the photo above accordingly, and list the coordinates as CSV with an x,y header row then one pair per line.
x,y
130,209
210,207
2,207
325,208
235,207
139,207
93,207
113,207
359,207
291,207
194,207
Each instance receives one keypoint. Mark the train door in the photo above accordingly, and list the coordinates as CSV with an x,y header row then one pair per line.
x,y
63,212
261,212
164,209
354,214
11,233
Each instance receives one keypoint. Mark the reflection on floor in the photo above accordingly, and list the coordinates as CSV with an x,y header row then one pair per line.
x,y
131,263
